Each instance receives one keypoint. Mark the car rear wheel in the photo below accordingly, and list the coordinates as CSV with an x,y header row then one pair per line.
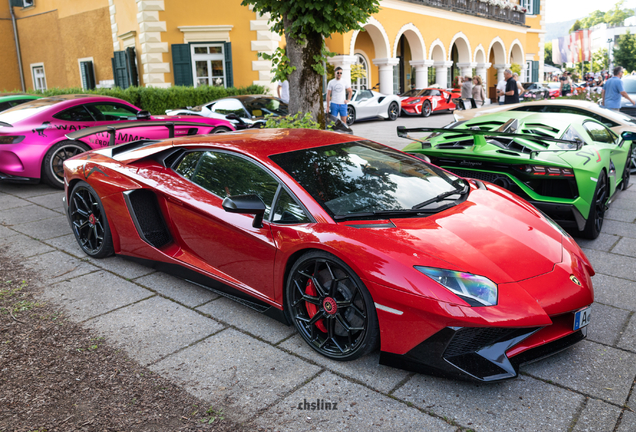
x,y
426,109
633,160
331,308
221,129
351,115
88,221
53,163
394,111
597,210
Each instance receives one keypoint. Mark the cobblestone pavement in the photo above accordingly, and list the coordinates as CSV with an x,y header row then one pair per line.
x,y
263,373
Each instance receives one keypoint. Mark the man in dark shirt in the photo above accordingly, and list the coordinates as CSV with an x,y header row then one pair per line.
x,y
512,92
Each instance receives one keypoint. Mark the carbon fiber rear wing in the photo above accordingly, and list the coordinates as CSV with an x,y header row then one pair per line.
x,y
404,133
111,129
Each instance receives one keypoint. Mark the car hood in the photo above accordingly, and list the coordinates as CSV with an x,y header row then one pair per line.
x,y
491,234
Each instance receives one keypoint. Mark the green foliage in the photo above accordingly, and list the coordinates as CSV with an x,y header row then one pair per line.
x,y
515,68
283,67
547,56
576,26
599,60
296,121
625,51
613,16
158,100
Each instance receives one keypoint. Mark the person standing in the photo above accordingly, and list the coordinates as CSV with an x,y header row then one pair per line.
x,y
338,96
479,94
467,87
283,91
519,85
501,90
613,90
511,92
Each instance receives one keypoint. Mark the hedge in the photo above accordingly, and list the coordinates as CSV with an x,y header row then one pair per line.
x,y
158,100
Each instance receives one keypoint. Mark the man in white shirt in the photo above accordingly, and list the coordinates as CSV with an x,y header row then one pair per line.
x,y
283,91
338,96
501,89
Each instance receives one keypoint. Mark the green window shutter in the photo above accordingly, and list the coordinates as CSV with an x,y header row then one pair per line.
x,y
131,65
88,75
120,70
229,77
536,7
535,71
182,65
17,3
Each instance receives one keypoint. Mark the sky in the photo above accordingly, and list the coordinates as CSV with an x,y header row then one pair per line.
x,y
564,10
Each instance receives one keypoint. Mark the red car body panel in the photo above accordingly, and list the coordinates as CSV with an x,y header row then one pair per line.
x,y
443,102
492,233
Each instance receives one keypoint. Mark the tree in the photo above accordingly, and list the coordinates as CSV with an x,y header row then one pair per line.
x,y
625,51
305,24
576,26
617,15
547,53
592,19
599,60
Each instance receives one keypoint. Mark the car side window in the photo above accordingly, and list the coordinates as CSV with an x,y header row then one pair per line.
x,y
229,106
76,113
112,111
435,93
572,135
599,133
226,175
287,210
5,105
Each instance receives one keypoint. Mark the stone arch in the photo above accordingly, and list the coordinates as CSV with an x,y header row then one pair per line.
x,y
498,49
437,51
415,40
378,36
463,48
480,54
515,55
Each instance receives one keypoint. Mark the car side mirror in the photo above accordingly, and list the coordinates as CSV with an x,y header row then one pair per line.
x,y
246,204
628,136
235,118
143,115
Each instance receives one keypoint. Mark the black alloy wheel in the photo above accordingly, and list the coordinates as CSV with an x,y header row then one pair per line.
x,y
88,221
426,109
221,129
351,115
394,111
53,163
633,160
597,210
627,172
331,308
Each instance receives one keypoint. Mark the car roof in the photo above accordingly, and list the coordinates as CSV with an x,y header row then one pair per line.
x,y
566,102
560,121
13,96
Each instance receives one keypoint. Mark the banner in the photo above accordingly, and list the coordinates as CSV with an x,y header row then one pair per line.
x,y
573,48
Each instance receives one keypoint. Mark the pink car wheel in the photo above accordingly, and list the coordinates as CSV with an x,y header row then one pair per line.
x,y
52,166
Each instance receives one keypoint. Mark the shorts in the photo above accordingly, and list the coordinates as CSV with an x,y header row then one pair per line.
x,y
336,109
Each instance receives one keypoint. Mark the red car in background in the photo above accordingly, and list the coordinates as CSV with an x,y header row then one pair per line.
x,y
426,101
555,89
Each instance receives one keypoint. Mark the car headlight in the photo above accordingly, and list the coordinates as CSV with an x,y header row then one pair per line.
x,y
475,290
415,101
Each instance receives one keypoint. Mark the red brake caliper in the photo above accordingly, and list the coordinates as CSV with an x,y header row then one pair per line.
x,y
313,309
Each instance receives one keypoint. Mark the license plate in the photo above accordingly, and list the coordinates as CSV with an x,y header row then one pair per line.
x,y
582,318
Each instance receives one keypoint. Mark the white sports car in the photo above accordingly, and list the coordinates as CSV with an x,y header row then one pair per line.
x,y
367,104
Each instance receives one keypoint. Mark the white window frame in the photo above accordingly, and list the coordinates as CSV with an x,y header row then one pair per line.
x,y
33,67
208,58
28,3
362,83
527,72
79,65
528,5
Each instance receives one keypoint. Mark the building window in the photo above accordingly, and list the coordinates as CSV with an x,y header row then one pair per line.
x,y
22,3
209,65
87,73
363,82
532,6
39,78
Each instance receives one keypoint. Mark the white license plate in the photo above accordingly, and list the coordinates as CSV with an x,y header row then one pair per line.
x,y
582,318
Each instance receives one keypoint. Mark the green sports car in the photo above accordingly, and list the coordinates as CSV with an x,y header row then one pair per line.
x,y
567,165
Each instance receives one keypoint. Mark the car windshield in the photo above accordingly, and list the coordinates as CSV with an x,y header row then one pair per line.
x,y
526,85
554,85
20,112
366,179
259,107
411,93
629,85
617,116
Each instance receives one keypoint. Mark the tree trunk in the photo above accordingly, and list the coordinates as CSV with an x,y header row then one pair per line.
x,y
305,85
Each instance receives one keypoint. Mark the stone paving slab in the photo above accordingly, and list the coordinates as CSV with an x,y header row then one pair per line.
x,y
27,190
366,370
247,320
611,264
623,203
95,294
28,213
10,201
51,201
621,215
236,371
628,422
21,245
607,324
625,246
177,289
358,409
524,404
6,232
628,338
618,292
593,369
604,242
153,328
45,229
59,266
597,416
623,229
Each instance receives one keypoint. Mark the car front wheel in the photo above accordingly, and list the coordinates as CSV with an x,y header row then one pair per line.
x,y
426,109
595,219
331,308
393,112
53,163
351,115
88,221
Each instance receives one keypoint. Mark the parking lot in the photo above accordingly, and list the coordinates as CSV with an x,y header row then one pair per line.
x,y
263,374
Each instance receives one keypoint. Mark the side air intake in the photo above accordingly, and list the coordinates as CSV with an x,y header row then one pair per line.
x,y
146,214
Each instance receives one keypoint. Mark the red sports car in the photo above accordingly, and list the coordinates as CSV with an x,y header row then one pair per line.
x,y
354,243
33,143
426,101
555,90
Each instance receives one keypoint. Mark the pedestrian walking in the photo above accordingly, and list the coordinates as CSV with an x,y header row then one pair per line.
x,y
478,92
613,90
338,96
467,87
283,91
512,91
501,90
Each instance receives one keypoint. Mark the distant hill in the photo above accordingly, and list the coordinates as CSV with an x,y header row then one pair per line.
x,y
556,30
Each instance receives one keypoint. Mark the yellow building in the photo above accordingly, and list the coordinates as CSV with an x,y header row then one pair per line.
x,y
407,44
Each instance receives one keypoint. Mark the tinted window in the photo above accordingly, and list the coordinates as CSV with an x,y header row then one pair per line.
x,y
260,107
364,176
599,133
364,94
411,93
226,175
629,85
77,113
5,105
287,210
112,111
229,106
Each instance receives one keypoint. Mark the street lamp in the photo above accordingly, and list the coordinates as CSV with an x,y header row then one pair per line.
x,y
609,54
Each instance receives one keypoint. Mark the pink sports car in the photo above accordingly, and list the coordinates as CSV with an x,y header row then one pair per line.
x,y
33,142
